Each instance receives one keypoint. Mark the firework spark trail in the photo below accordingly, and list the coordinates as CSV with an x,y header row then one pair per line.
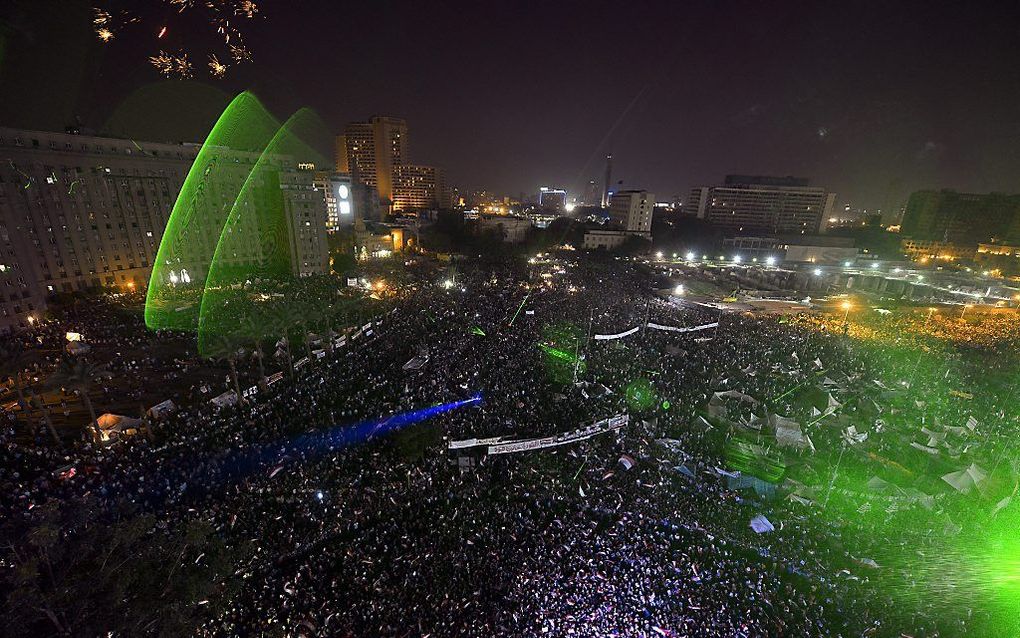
x,y
222,17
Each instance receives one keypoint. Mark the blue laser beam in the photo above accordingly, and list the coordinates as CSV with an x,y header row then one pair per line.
x,y
344,436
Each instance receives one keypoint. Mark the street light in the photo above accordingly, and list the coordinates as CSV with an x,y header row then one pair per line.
x,y
658,255
818,272
770,261
736,259
679,290
964,311
846,306
690,256
931,311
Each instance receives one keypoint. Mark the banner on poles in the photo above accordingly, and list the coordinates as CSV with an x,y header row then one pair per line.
x,y
656,326
619,335
497,445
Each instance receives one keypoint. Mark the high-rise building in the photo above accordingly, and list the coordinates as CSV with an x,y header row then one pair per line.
x,y
375,153
339,196
369,151
631,210
592,194
419,187
772,205
552,198
962,219
80,211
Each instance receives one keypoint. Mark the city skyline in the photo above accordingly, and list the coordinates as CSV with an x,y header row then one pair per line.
x,y
870,102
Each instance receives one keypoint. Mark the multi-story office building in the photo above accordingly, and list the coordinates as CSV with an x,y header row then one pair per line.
x,y
631,210
962,219
375,153
339,195
554,199
79,211
772,205
419,187
369,151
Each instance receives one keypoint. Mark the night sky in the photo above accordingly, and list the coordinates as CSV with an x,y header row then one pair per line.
x,y
872,100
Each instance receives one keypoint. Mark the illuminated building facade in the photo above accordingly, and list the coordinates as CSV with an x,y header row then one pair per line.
x,y
773,205
552,199
79,212
419,188
375,153
631,210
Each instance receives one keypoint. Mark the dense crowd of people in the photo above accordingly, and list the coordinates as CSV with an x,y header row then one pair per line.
x,y
350,532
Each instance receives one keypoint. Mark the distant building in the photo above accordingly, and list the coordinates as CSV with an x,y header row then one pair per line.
x,y
922,249
82,211
552,199
962,219
375,153
512,230
762,204
604,239
419,188
631,210
816,249
339,197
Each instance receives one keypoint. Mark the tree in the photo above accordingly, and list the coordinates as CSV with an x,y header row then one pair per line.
x,y
223,347
11,358
79,570
80,374
253,332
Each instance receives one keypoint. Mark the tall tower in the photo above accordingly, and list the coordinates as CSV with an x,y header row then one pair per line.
x,y
605,184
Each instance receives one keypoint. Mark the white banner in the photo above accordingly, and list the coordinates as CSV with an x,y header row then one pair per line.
x,y
706,326
619,335
601,427
463,443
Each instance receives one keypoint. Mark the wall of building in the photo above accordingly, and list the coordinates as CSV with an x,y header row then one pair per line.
x,y
80,211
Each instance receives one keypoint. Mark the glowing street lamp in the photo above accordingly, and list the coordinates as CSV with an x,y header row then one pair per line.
x,y
690,256
658,255
736,259
679,290
846,306
770,261
818,272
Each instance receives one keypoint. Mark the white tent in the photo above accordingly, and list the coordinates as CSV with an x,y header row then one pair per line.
x,y
967,480
761,525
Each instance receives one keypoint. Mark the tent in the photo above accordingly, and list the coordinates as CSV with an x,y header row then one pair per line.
x,y
762,525
227,398
967,480
111,427
162,409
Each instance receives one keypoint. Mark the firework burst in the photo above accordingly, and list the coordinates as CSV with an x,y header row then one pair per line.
x,y
172,23
216,68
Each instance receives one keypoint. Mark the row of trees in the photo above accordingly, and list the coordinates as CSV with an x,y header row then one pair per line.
x,y
76,373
